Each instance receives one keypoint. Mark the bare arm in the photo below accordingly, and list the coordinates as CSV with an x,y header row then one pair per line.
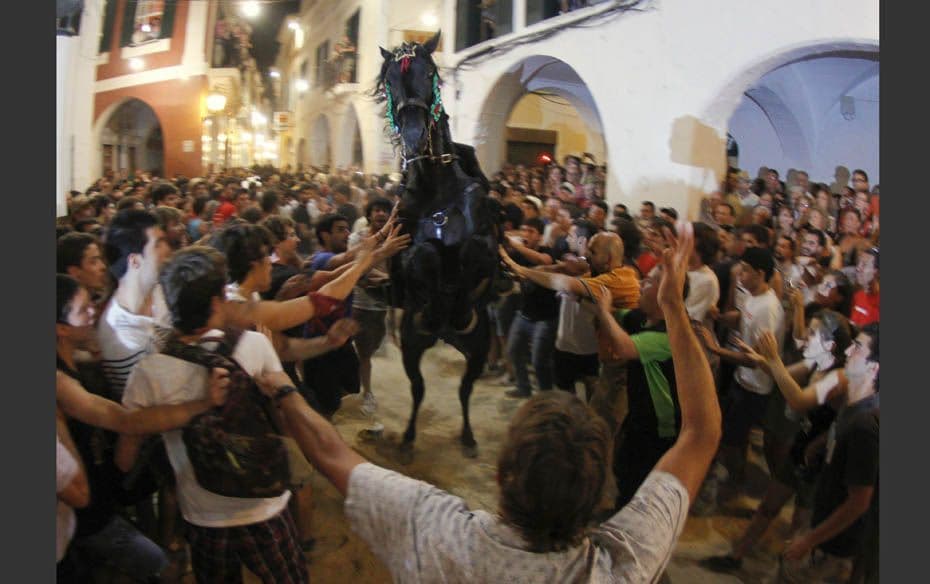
x,y
620,340
77,492
78,403
799,400
855,506
690,457
537,257
318,439
550,280
339,333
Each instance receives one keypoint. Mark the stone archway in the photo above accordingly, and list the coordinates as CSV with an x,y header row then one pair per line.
x,y
764,108
536,79
350,148
128,137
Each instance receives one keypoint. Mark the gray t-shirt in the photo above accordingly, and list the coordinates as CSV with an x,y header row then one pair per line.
x,y
424,534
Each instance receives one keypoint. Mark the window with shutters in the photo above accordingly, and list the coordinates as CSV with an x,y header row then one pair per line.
x,y
146,20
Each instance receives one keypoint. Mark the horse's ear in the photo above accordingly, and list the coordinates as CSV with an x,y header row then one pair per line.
x,y
431,44
386,54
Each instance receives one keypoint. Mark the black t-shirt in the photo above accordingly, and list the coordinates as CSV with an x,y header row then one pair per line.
x,y
641,417
536,303
853,462
280,273
722,270
301,216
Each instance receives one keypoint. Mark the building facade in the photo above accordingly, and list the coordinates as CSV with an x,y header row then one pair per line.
x,y
325,71
133,89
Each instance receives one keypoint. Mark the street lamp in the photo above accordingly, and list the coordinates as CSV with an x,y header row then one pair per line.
x,y
251,9
216,102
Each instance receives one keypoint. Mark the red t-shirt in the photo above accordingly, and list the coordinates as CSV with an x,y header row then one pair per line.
x,y
646,261
864,308
223,213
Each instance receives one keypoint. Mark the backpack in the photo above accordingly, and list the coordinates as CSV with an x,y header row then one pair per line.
x,y
237,450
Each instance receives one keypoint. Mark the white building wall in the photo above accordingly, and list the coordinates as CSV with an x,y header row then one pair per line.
x,y
664,87
75,70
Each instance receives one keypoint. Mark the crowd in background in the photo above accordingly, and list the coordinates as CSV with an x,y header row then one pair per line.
x,y
782,289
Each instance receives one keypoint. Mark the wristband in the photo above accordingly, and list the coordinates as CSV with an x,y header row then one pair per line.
x,y
283,392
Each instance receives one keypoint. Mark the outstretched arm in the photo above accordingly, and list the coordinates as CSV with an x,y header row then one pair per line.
x,y
691,455
93,410
620,340
550,280
318,439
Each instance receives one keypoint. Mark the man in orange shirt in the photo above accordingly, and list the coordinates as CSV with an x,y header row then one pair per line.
x,y
605,256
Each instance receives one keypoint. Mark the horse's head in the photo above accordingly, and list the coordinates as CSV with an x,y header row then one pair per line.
x,y
409,83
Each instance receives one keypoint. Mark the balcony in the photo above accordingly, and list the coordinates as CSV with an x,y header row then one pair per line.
x,y
480,25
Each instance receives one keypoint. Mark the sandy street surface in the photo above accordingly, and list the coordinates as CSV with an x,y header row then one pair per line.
x,y
340,556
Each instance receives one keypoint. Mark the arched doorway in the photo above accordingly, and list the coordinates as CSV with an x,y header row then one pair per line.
x,y
540,105
320,152
813,114
131,139
350,146
787,109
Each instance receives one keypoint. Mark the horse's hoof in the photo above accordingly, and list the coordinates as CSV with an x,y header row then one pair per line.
x,y
405,452
470,451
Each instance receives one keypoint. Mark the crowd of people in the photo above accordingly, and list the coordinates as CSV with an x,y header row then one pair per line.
x,y
685,339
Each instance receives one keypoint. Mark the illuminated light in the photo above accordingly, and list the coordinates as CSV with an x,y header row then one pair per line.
x,y
293,25
302,85
136,64
146,28
208,123
246,136
221,137
216,102
258,119
205,138
429,19
274,74
251,9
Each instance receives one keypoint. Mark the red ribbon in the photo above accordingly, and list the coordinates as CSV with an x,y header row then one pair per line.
x,y
404,64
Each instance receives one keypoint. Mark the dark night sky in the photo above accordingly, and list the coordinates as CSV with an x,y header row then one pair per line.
x,y
265,30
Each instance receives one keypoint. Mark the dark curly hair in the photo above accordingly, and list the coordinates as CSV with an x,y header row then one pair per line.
x,y
191,280
552,470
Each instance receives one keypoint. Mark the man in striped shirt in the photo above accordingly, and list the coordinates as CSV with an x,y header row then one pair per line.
x,y
136,248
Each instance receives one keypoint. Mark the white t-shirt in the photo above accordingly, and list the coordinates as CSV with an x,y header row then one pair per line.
x,y
758,313
576,333
66,468
703,292
125,338
424,534
160,379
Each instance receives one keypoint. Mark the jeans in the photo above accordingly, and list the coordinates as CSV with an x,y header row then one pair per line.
x,y
125,548
536,340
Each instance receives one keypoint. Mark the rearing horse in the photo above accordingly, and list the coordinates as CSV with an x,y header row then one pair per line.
x,y
443,280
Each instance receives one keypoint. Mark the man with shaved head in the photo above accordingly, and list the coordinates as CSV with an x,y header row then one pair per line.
x,y
605,259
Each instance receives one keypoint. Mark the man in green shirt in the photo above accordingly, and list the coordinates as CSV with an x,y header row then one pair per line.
x,y
654,416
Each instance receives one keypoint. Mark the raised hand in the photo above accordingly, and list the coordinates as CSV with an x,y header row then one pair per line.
x,y
604,300
218,386
767,346
394,243
759,360
675,258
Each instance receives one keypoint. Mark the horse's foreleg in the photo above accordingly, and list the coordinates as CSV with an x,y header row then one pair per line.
x,y
413,349
478,342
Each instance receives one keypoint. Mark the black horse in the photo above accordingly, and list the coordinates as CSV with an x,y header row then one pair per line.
x,y
443,281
